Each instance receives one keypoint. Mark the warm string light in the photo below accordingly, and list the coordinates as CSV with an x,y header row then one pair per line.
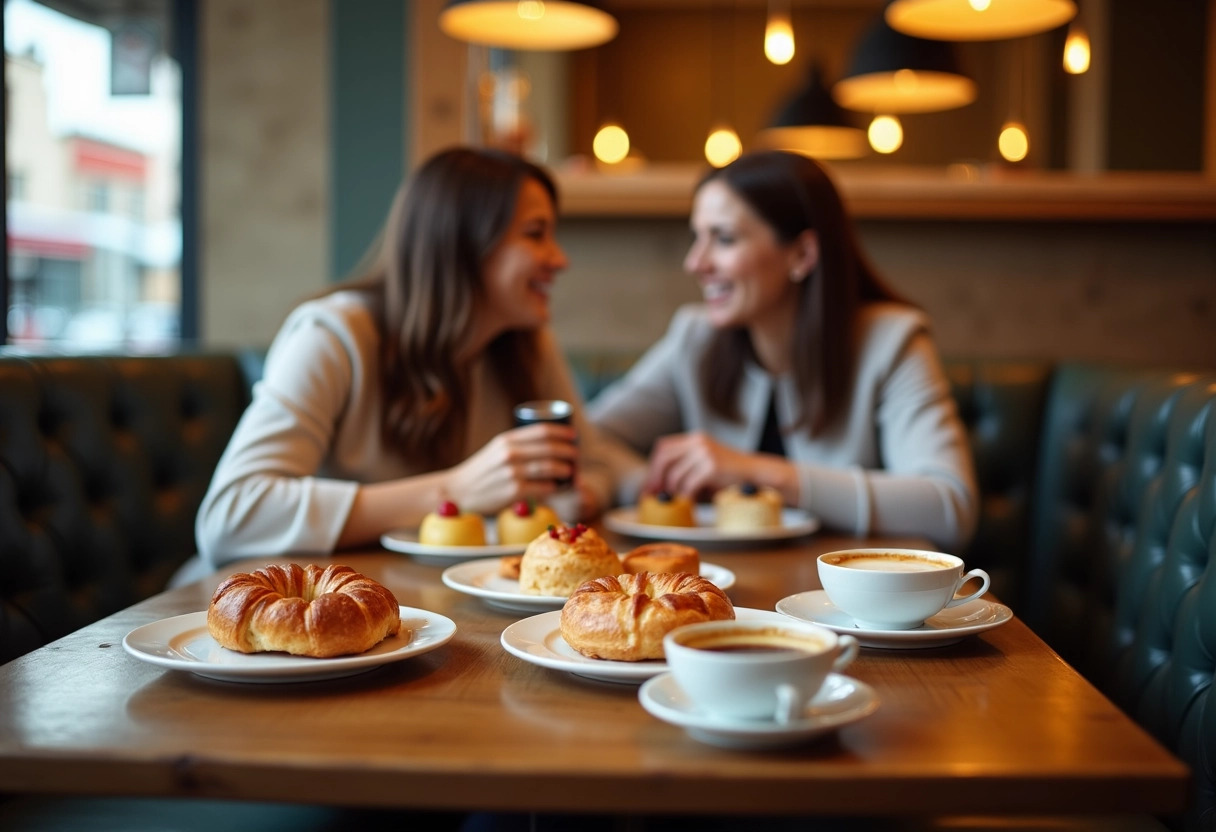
x,y
778,37
1013,143
1076,50
611,144
886,134
722,147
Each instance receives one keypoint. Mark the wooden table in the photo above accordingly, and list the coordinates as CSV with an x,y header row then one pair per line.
x,y
994,724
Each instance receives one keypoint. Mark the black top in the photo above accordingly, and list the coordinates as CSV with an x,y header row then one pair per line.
x,y
770,440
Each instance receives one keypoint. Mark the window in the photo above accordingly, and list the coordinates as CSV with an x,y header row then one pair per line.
x,y
94,159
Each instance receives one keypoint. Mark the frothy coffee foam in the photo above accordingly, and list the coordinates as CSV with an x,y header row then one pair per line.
x,y
771,638
888,562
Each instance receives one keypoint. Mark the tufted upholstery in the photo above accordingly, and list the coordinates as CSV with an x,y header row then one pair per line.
x,y
1120,566
103,463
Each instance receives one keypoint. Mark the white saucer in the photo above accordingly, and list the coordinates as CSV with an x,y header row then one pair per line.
x,y
406,541
947,627
538,640
842,700
794,523
183,643
480,579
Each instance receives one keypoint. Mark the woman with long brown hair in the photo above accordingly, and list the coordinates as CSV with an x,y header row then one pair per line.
x,y
801,371
393,392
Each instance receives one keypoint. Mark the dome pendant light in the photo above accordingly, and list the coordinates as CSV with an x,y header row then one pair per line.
x,y
543,25
891,72
813,124
978,19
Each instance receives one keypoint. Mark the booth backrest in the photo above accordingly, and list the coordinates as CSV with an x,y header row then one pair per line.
x,y
1121,577
103,464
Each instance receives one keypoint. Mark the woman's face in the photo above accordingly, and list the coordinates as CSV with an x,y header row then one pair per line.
x,y
520,271
742,268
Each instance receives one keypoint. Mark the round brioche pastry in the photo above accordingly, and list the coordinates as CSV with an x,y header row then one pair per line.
x,y
662,557
663,509
746,506
449,526
305,611
624,618
523,521
563,558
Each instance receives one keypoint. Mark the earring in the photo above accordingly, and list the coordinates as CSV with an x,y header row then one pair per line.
x,y
797,275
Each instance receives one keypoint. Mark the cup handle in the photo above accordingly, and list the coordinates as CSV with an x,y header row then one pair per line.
x,y
789,703
974,573
848,647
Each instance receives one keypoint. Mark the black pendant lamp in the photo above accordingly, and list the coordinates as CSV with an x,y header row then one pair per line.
x,y
813,124
542,25
891,72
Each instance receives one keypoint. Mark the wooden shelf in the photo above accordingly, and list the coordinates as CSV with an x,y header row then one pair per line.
x,y
960,192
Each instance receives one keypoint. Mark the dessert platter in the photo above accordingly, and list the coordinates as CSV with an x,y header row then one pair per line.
x,y
841,701
481,579
627,520
949,626
183,643
538,640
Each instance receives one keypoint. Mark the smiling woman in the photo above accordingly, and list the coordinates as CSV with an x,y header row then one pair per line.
x,y
392,393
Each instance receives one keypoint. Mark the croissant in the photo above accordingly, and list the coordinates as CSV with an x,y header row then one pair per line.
x,y
624,618
305,611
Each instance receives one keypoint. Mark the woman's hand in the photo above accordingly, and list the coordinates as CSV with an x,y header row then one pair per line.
x,y
516,464
695,464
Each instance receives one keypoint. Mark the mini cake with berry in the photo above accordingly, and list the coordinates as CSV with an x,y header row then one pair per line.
x,y
663,509
522,522
746,507
449,526
563,559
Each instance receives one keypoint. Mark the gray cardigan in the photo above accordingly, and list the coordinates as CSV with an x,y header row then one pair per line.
x,y
897,463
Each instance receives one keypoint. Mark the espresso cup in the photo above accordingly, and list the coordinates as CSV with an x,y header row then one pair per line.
x,y
895,589
546,410
755,670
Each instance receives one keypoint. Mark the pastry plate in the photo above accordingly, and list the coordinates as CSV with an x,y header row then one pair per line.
x,y
794,523
841,701
539,640
480,578
947,627
183,643
406,541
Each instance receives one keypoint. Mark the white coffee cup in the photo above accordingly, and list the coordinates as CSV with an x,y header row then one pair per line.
x,y
755,670
895,589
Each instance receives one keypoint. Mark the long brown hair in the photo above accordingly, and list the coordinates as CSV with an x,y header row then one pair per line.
x,y
423,284
792,194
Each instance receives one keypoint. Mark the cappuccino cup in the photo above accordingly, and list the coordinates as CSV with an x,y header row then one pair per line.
x,y
895,589
755,670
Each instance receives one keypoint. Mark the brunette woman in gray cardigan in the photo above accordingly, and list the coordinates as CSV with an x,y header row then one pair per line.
x,y
800,371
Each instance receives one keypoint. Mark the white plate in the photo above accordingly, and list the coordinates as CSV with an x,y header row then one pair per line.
x,y
794,523
406,541
842,700
947,627
539,640
480,578
183,643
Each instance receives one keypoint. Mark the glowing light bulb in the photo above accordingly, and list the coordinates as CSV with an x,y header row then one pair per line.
x,y
980,5
886,134
722,147
611,144
1076,51
530,9
779,39
1013,142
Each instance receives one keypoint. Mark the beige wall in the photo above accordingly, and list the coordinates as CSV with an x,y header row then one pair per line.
x,y
264,166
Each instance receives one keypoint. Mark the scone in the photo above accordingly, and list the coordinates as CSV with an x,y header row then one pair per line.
x,y
662,557
560,561
747,507
522,522
663,509
449,526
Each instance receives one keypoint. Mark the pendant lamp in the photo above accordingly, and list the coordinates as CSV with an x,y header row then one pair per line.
x,y
978,19
813,124
891,72
542,25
